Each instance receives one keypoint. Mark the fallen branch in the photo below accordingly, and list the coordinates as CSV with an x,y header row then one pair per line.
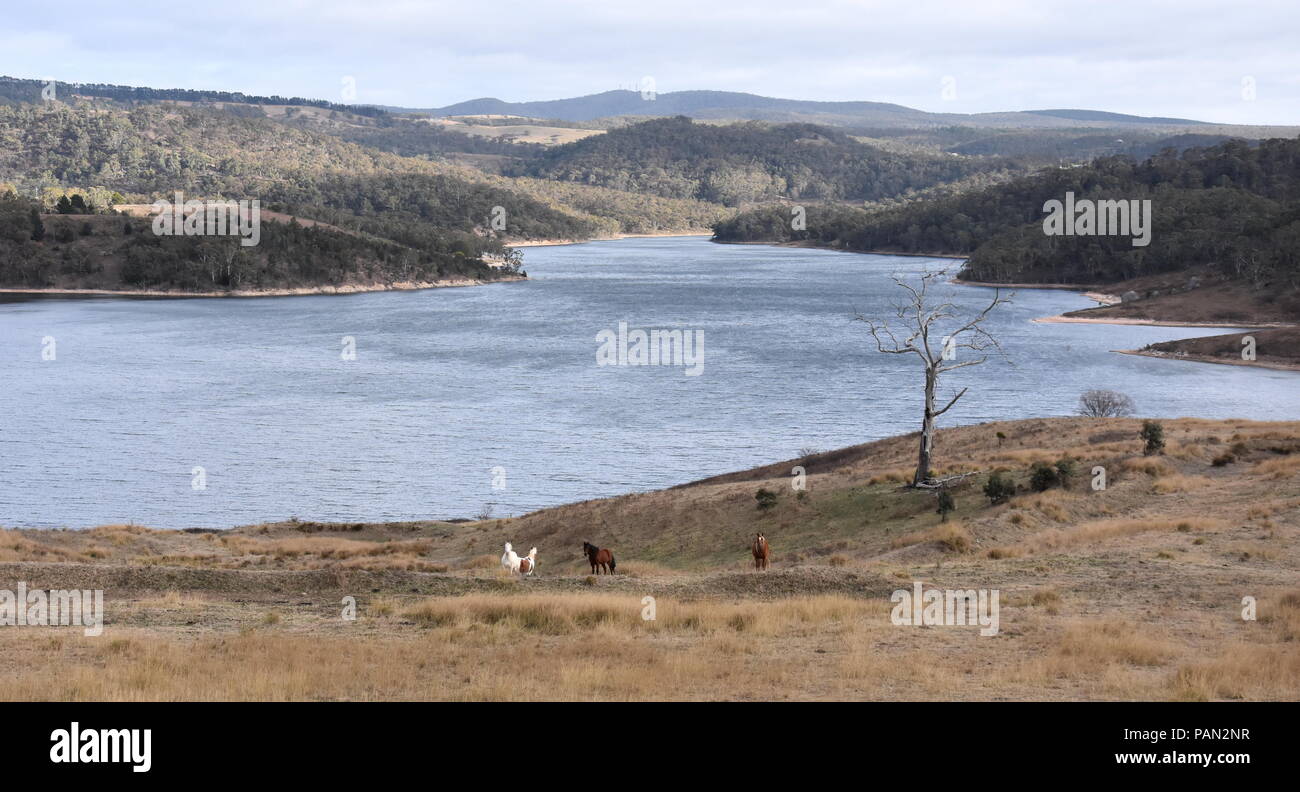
x,y
933,483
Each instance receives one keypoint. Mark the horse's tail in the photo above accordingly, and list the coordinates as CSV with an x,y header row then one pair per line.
x,y
611,562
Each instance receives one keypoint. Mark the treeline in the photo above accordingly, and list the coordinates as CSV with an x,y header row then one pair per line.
x,y
734,164
411,138
1231,207
420,209
155,150
119,252
152,151
21,90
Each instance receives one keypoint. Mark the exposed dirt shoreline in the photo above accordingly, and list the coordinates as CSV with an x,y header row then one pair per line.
x,y
810,245
303,291
1156,322
556,242
1211,359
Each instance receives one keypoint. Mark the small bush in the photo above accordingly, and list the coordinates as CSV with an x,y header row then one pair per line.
x,y
766,499
1105,404
1153,435
1043,477
1066,469
999,488
945,504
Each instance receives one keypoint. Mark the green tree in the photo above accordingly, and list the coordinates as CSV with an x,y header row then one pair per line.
x,y
945,504
999,488
1153,436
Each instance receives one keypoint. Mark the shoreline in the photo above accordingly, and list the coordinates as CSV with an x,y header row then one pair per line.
x,y
301,291
1123,320
807,244
1294,367
558,242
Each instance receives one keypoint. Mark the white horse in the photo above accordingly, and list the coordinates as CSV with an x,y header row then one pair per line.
x,y
510,560
528,564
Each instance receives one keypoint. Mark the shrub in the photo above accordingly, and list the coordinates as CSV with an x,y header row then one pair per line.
x,y
1042,477
1153,434
766,499
1105,404
999,488
1066,468
945,503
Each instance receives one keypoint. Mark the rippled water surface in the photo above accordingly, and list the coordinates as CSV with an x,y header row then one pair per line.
x,y
449,384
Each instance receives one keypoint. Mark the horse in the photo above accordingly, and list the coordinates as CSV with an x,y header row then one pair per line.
x,y
761,551
528,564
510,560
599,558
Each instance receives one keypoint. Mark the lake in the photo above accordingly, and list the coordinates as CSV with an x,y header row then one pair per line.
x,y
178,413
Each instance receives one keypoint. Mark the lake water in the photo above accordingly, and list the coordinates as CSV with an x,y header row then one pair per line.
x,y
449,384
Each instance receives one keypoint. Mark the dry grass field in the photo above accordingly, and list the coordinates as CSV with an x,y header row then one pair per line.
x,y
525,131
1133,591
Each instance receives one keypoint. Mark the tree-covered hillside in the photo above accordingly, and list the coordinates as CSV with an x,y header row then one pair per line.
x,y
1231,208
111,251
735,164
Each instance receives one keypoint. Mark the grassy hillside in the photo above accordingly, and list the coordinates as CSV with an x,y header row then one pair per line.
x,y
1133,591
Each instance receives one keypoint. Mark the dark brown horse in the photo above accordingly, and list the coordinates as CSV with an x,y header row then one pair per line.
x,y
599,558
761,551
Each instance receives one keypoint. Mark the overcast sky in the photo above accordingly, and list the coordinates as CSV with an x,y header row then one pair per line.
x,y
1185,58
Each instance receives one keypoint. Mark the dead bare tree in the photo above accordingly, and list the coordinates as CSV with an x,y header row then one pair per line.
x,y
923,323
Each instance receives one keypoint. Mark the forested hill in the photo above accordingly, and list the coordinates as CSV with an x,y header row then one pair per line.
x,y
742,163
18,90
1232,210
398,219
40,250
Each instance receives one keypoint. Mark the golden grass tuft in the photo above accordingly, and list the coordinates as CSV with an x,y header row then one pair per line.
x,y
1177,482
1151,466
1096,643
952,535
1103,530
1280,468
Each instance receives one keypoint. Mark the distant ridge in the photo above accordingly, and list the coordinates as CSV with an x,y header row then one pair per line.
x,y
1120,118
727,105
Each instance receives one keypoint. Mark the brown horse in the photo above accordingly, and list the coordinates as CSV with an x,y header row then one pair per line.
x,y
599,558
761,551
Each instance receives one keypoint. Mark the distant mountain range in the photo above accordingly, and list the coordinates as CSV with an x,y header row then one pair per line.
x,y
701,105
717,105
